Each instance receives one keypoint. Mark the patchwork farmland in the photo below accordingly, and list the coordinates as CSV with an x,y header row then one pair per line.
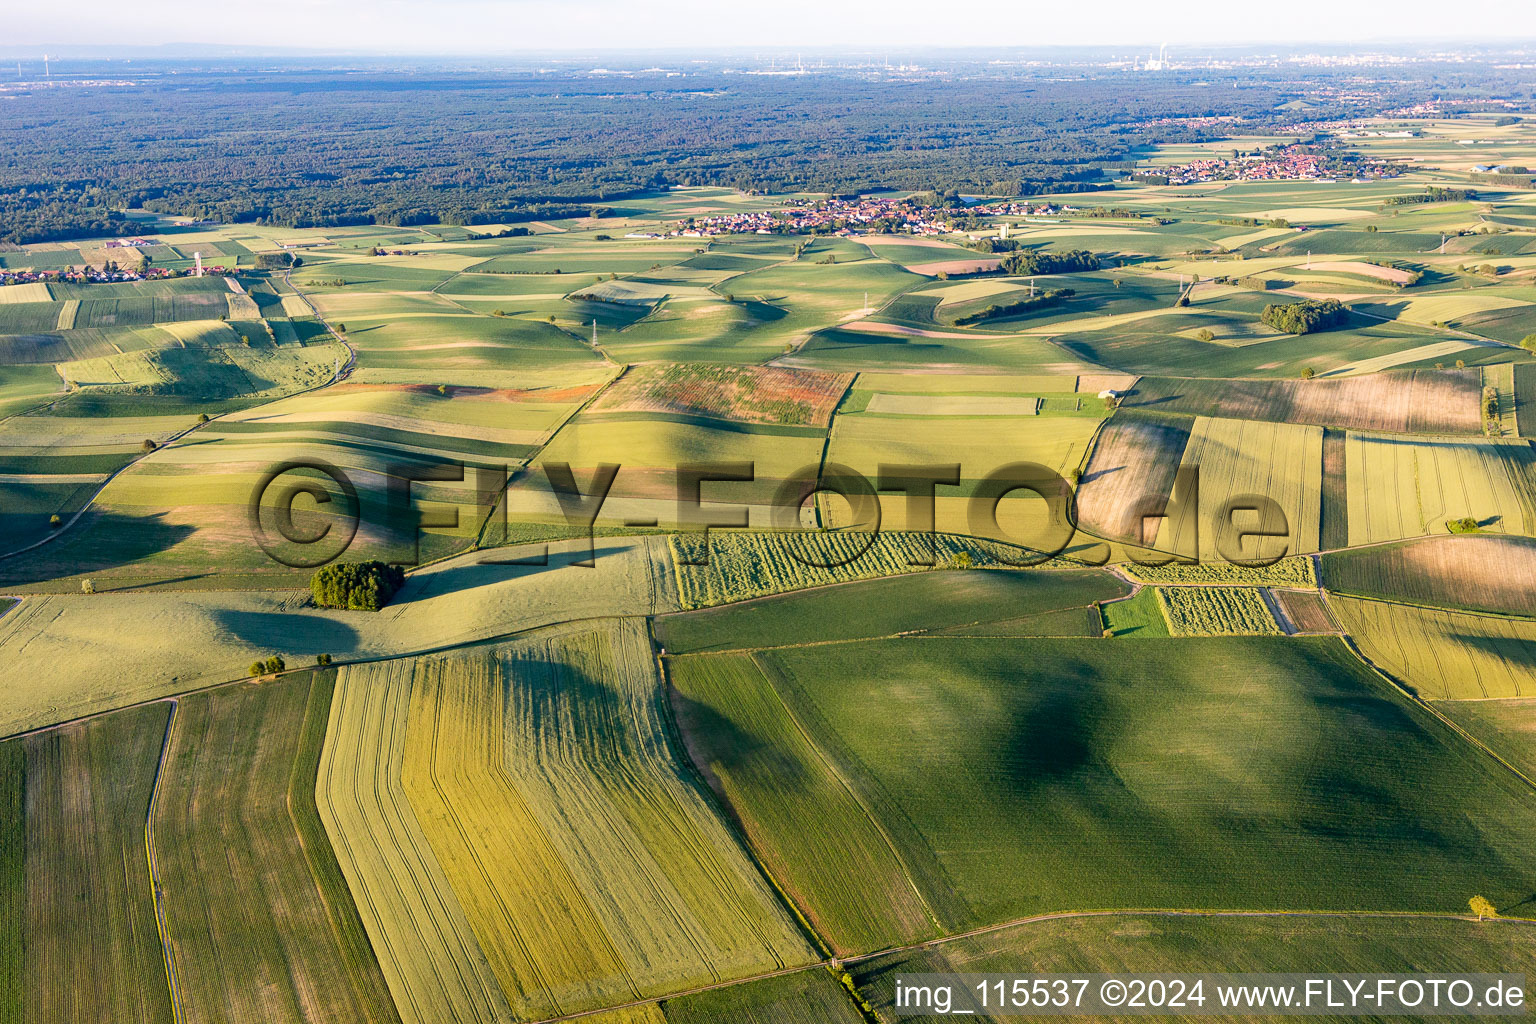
x,y
612,754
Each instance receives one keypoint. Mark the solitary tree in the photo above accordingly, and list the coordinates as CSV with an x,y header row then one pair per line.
x,y
1482,907
149,445
1307,373
87,587
1529,343
1204,334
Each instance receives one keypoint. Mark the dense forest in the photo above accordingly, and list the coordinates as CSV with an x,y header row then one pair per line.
x,y
307,147
311,149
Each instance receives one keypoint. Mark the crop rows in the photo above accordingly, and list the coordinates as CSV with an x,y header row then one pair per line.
x,y
1400,488
1287,572
1444,655
1242,459
1216,611
746,565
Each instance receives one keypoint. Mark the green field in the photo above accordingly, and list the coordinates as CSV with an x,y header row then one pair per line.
x,y
259,922
75,852
1152,944
1038,775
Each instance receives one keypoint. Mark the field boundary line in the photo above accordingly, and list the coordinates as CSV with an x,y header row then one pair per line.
x,y
1428,706
154,871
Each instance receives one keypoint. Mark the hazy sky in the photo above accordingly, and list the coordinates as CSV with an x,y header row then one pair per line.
x,y
509,26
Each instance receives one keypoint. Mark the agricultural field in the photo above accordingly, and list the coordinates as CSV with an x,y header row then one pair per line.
x,y
975,602
571,864
1443,655
764,395
619,757
1394,401
76,803
1400,488
1005,742
1236,461
258,921
1216,611
1475,572
1305,610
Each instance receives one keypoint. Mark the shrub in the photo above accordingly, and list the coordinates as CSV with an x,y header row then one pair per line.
x,y
1204,334
55,521
360,586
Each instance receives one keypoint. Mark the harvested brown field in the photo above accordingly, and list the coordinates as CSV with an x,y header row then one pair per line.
x,y
980,265
1306,610
747,394
1136,457
1474,572
1392,274
1397,401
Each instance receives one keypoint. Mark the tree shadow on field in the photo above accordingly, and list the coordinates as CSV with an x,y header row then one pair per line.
x,y
500,569
99,542
1520,654
289,631
1058,731
715,740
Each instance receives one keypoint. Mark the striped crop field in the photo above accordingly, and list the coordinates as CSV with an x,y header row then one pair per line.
x,y
82,933
258,919
1444,655
1447,572
541,851
809,826
1216,611
425,946
544,779
1401,488
1241,459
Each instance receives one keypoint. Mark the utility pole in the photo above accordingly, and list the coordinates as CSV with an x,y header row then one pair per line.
x,y
1031,287
594,332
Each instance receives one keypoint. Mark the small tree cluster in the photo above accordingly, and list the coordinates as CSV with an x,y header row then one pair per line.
x,y
1070,261
360,586
1466,524
1305,317
273,664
